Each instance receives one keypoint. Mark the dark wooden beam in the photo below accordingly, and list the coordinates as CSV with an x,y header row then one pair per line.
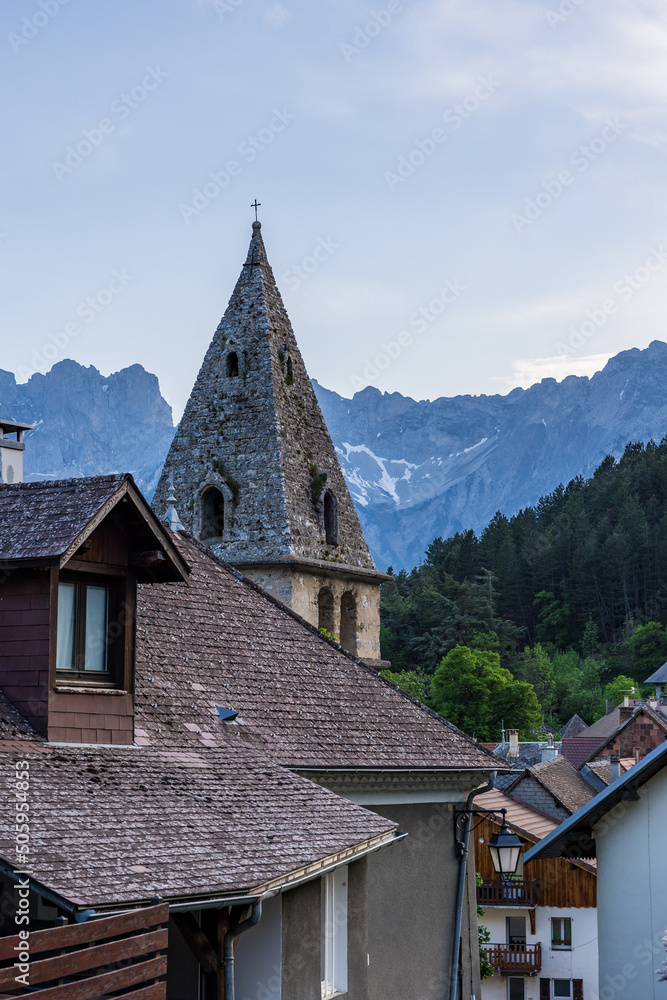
x,y
197,942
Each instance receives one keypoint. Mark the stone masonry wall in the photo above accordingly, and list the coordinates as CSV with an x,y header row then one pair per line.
x,y
300,589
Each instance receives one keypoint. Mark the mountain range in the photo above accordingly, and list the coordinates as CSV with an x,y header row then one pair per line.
x,y
416,469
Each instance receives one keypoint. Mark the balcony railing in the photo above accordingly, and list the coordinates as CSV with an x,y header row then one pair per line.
x,y
497,893
522,958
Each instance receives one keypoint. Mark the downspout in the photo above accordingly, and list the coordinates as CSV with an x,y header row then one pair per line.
x,y
228,947
453,985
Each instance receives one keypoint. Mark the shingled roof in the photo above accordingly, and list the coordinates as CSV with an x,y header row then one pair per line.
x,y
176,824
222,641
46,521
41,520
561,780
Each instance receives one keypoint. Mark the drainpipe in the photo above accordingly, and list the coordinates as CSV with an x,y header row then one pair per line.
x,y
228,947
453,985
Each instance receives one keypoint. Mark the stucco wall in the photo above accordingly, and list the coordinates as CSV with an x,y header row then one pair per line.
x,y
632,894
301,943
411,902
581,962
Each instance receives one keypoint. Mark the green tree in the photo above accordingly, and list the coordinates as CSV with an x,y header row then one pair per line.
x,y
648,648
472,690
621,686
534,666
413,682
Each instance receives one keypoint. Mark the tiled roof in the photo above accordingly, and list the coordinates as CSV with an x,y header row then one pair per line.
x,y
110,825
604,727
602,767
578,749
222,641
574,835
521,817
12,724
563,781
41,520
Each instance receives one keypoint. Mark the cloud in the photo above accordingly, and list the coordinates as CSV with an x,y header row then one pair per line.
x,y
528,371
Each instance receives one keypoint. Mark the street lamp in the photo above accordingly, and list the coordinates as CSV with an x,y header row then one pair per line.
x,y
505,850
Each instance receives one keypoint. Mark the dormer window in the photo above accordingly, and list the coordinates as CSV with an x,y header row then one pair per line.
x,y
83,643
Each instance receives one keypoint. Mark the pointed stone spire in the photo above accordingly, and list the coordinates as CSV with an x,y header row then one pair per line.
x,y
171,515
253,456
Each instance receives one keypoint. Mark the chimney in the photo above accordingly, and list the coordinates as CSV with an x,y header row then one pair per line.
x,y
614,768
549,751
609,705
637,754
514,743
12,447
626,701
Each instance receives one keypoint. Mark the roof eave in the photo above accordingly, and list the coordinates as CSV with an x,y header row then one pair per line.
x,y
576,833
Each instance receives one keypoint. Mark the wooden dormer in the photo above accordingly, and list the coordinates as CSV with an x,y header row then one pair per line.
x,y
72,554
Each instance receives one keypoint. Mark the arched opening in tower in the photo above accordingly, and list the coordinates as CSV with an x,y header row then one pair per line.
x,y
325,610
330,519
232,364
348,622
212,513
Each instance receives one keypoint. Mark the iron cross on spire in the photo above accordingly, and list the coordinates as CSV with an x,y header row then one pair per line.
x,y
256,204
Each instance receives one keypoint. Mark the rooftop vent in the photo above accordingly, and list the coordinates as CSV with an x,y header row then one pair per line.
x,y
12,447
226,714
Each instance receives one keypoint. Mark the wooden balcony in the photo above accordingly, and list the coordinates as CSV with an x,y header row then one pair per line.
x,y
496,893
524,959
86,961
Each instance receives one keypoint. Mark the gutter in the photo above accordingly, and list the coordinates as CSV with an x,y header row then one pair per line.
x,y
262,892
453,983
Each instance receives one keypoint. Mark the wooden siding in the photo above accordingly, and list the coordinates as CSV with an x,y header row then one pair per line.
x,y
24,643
117,953
558,882
108,545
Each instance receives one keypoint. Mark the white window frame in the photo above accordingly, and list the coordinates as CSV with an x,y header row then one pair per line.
x,y
554,997
561,947
334,932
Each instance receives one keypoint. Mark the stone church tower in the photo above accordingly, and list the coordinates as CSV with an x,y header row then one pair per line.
x,y
255,473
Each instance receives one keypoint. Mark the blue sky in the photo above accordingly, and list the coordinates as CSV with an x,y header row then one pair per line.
x,y
457,196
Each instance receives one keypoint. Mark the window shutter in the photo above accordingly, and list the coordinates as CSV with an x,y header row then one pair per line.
x,y
577,989
545,989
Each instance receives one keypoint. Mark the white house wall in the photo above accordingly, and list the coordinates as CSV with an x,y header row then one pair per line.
x,y
632,894
581,962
